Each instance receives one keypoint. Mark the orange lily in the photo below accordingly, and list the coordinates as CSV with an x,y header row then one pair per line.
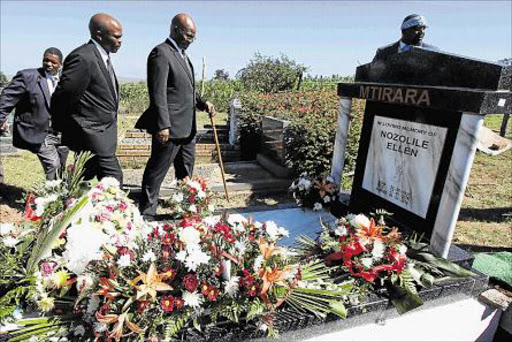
x,y
271,277
152,283
268,249
120,320
323,187
106,289
370,233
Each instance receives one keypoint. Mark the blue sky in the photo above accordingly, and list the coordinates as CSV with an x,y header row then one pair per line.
x,y
330,37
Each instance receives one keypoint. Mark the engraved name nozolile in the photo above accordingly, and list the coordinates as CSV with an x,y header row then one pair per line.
x,y
395,95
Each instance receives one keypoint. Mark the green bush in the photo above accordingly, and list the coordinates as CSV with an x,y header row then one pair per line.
x,y
267,74
309,140
134,98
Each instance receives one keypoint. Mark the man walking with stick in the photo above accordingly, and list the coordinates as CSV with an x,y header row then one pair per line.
x,y
171,116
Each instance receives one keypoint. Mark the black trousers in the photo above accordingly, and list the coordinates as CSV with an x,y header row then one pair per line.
x,y
103,166
179,152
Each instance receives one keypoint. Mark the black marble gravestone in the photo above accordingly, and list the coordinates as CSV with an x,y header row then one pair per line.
x,y
418,140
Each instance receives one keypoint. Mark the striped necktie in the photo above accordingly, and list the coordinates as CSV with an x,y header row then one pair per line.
x,y
111,73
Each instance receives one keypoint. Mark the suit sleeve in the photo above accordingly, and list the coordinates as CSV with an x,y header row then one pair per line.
x,y
11,95
377,55
158,73
74,81
200,102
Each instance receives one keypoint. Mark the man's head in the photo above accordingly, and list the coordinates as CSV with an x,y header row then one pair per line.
x,y
52,60
107,31
413,29
183,30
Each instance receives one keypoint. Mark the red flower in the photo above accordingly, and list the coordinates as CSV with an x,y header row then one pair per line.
x,y
213,293
166,303
30,214
191,198
204,288
190,282
169,274
168,238
368,276
123,206
179,302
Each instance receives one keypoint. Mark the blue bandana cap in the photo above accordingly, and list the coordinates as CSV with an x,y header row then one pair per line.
x,y
414,21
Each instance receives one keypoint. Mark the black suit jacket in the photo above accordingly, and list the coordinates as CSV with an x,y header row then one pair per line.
x,y
84,105
29,95
172,95
391,49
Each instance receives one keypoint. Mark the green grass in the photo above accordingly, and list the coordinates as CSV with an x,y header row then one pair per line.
x,y
494,121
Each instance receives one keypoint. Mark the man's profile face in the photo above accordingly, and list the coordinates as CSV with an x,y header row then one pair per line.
x,y
51,63
413,35
184,36
110,39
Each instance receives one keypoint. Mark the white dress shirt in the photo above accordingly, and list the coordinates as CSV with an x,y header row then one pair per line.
x,y
103,53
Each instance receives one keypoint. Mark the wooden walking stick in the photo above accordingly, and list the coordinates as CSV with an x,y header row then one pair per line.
x,y
220,158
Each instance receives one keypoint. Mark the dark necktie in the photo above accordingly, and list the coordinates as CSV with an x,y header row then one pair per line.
x,y
111,73
185,58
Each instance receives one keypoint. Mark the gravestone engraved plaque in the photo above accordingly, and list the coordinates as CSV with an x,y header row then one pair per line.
x,y
400,150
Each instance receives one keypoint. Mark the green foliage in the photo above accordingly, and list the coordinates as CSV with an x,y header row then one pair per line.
x,y
220,92
176,323
309,140
267,74
3,80
134,98
221,74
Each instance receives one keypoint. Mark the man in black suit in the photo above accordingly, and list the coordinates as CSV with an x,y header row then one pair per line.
x,y
84,106
29,94
413,31
171,116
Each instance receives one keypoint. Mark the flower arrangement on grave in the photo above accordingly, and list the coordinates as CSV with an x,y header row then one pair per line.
x,y
377,256
314,191
191,197
96,270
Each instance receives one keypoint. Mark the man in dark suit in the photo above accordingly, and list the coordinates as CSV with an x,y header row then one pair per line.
x,y
84,106
413,31
29,94
171,116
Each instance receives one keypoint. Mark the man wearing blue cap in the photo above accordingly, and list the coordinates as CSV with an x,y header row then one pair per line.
x,y
413,30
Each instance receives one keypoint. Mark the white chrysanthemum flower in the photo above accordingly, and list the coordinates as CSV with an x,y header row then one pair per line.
x,y
195,185
124,260
6,228
403,249
110,182
192,299
181,256
149,256
178,198
257,263
192,208
211,221
360,221
195,258
327,199
10,241
367,262
231,286
52,184
317,206
272,229
241,247
211,208
284,232
201,194
378,249
189,236
340,230
83,245
79,330
304,184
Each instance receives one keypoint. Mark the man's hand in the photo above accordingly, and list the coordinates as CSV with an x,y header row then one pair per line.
x,y
4,128
163,136
210,109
